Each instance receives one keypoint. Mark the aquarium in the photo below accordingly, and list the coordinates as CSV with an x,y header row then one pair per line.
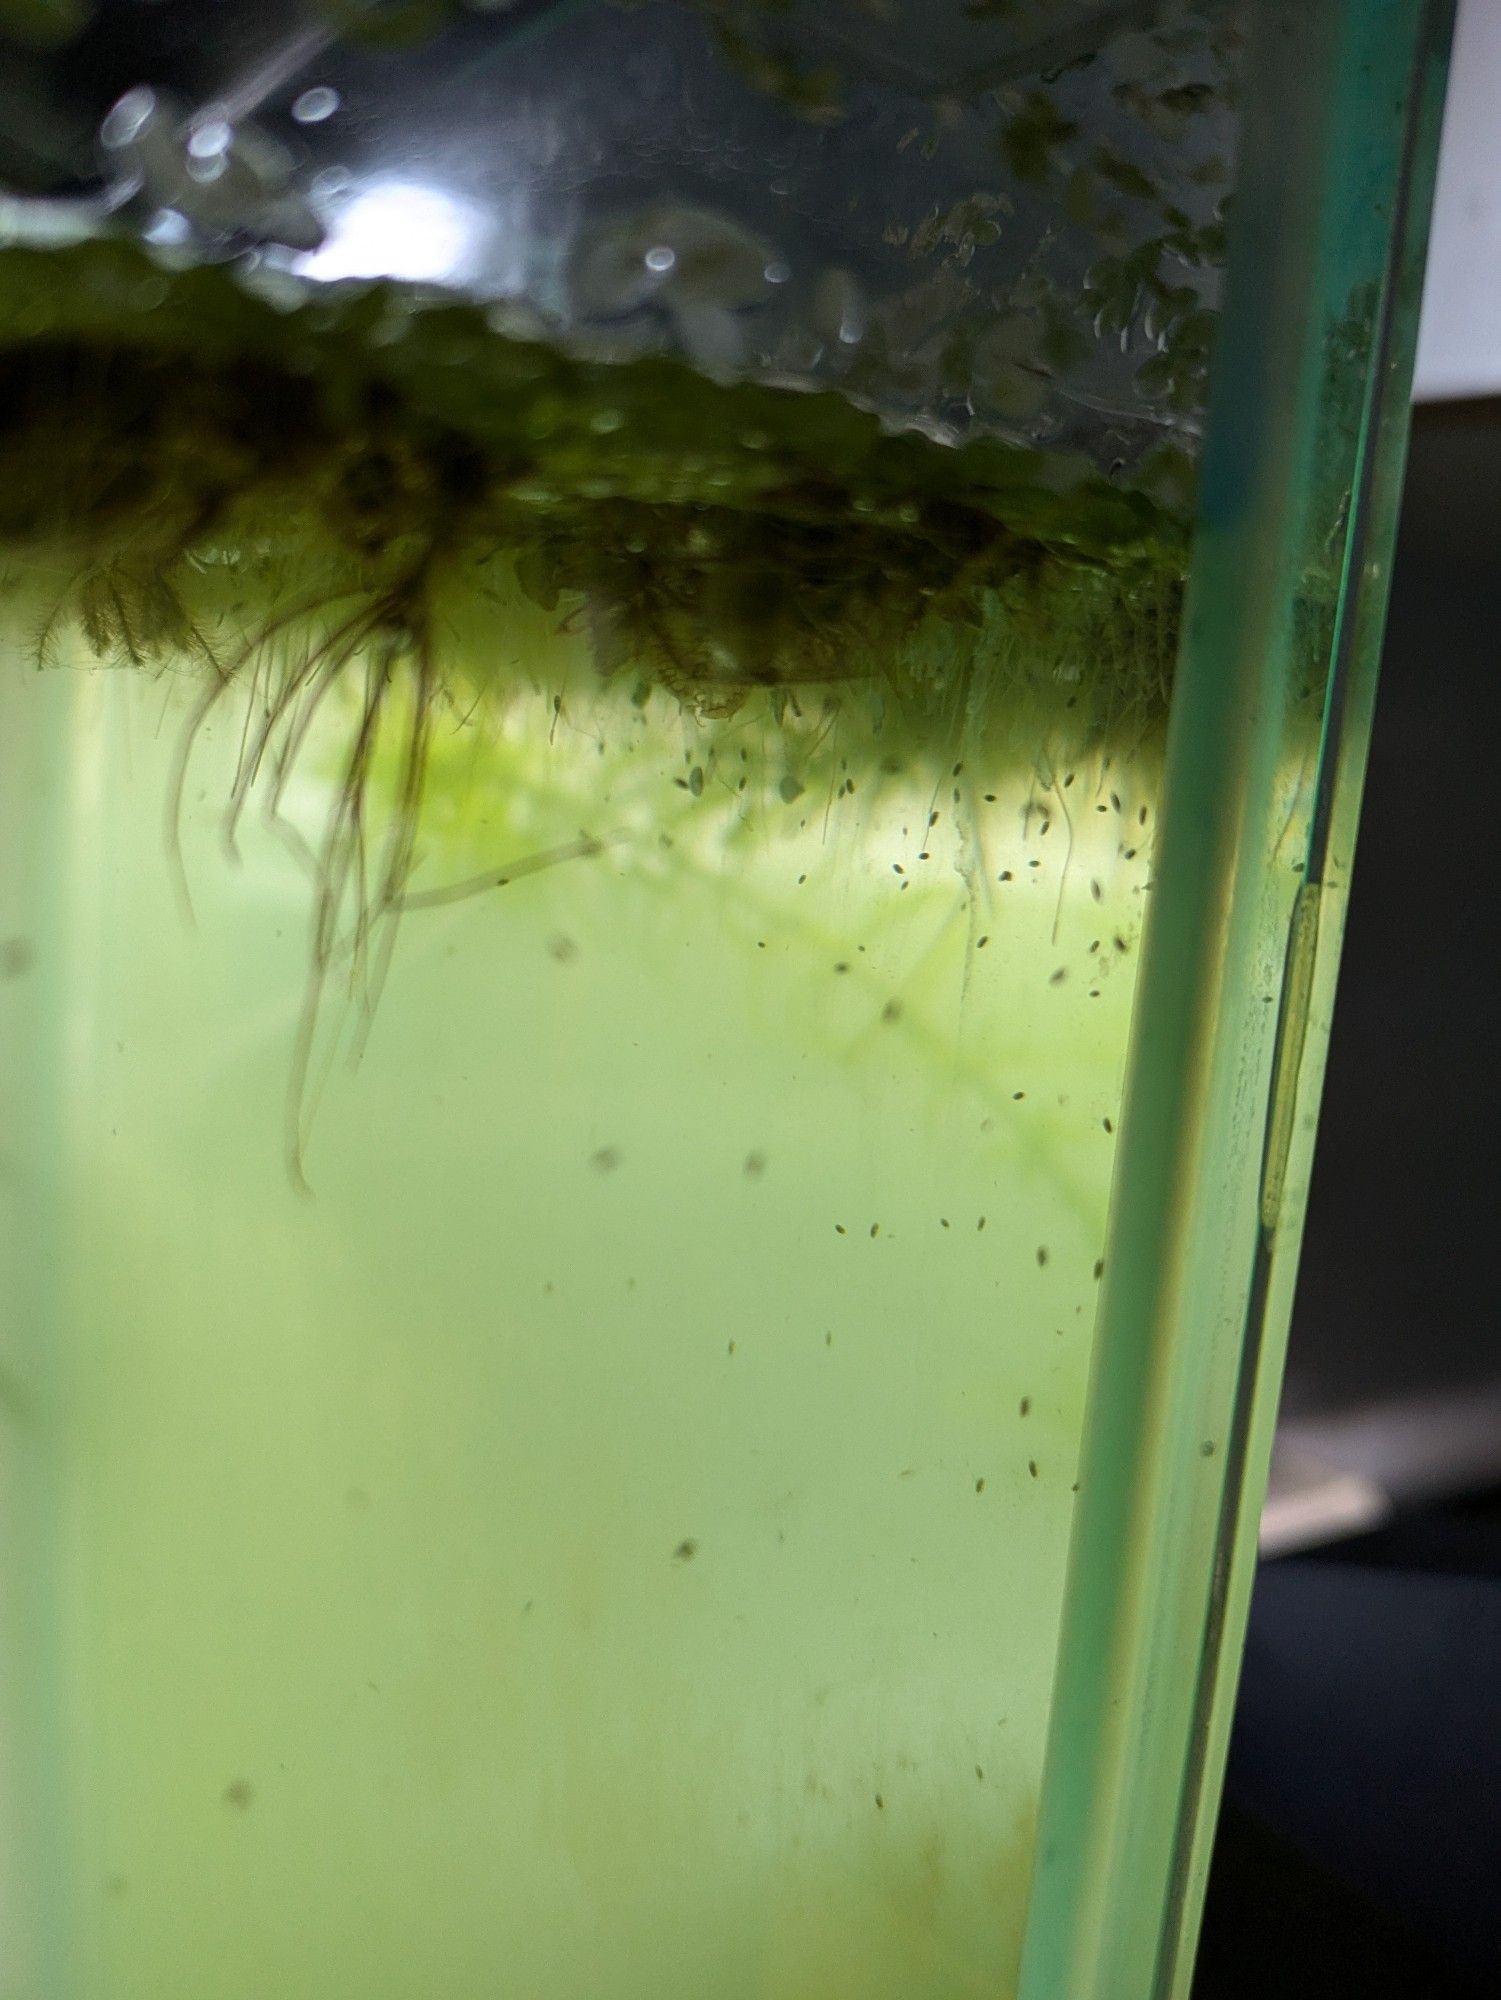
x,y
681,708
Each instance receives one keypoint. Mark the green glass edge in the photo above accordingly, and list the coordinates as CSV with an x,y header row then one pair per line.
x,y
1342,112
1313,971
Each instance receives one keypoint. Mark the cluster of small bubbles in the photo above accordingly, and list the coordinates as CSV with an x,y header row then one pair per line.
x,y
201,177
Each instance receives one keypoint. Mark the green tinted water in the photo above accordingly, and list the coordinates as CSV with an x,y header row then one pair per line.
x,y
608,1540
575,1501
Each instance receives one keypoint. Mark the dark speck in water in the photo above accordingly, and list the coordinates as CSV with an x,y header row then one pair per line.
x,y
686,1550
755,1166
606,1160
240,1794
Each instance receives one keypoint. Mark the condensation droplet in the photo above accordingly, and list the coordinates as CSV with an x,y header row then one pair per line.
x,y
209,139
330,183
314,105
168,227
128,117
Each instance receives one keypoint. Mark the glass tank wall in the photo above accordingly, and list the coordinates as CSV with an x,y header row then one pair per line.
x,y
612,620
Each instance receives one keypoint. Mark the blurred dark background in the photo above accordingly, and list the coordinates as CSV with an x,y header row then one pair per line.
x,y
1359,1848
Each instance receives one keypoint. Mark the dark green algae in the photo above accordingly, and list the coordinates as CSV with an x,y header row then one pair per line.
x,y
372,490
181,457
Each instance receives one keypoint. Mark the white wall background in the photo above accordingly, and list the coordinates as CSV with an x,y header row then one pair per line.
x,y
1459,336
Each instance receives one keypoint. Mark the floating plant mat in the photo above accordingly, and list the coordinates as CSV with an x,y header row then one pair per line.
x,y
374,506
165,429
